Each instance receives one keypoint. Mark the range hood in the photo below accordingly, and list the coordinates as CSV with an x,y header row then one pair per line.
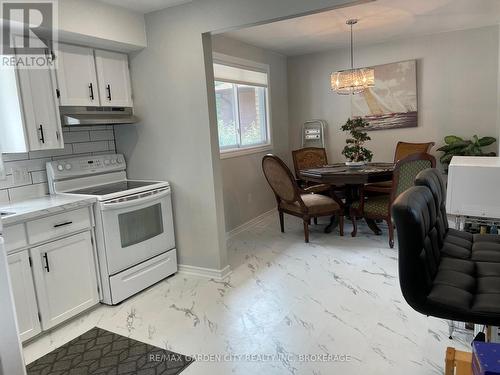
x,y
87,116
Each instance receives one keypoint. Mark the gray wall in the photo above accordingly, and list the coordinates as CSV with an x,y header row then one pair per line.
x,y
245,190
456,82
174,96
78,141
97,24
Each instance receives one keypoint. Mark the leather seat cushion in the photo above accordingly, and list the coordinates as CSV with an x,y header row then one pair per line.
x,y
486,248
457,244
491,238
316,204
456,250
467,285
487,288
477,247
460,234
459,265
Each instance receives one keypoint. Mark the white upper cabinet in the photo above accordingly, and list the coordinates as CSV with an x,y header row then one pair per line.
x,y
76,76
41,113
88,77
29,115
114,79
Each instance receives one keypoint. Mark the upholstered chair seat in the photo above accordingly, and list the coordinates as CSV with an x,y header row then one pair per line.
x,y
313,157
293,200
316,204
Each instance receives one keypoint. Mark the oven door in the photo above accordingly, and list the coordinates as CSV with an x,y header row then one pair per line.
x,y
137,228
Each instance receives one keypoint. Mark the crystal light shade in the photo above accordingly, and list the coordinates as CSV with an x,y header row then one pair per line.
x,y
352,81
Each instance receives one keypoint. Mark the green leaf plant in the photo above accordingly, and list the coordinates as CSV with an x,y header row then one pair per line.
x,y
456,146
354,150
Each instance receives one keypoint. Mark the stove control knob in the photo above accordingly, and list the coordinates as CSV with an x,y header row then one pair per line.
x,y
68,166
106,161
60,167
113,161
119,160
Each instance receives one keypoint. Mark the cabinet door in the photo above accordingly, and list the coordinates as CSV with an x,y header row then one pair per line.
x,y
114,79
76,76
24,295
65,278
41,112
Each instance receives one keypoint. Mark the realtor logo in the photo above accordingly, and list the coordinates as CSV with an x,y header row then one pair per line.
x,y
28,33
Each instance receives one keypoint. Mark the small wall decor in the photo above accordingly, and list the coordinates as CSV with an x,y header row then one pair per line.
x,y
392,102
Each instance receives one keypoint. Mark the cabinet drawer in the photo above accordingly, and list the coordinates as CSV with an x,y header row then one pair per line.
x,y
141,276
57,225
14,237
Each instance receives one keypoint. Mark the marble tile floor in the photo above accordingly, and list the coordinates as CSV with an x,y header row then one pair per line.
x,y
330,306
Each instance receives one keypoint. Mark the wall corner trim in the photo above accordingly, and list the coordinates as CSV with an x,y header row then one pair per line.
x,y
249,224
206,273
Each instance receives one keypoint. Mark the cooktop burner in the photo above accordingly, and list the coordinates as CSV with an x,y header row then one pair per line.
x,y
115,187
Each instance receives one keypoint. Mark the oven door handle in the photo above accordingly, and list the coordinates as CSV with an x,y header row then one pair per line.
x,y
131,201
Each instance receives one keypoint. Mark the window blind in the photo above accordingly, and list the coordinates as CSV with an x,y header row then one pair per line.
x,y
242,76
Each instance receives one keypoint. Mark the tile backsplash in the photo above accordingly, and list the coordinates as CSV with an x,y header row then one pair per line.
x,y
78,141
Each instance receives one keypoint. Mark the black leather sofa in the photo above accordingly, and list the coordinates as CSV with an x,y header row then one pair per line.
x,y
444,272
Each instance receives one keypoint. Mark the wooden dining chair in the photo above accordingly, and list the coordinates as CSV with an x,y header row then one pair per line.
x,y
293,200
379,206
403,149
307,158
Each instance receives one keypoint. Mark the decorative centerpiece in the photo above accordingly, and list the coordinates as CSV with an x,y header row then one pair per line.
x,y
356,154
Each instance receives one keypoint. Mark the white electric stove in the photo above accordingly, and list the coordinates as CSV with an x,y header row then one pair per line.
x,y
134,224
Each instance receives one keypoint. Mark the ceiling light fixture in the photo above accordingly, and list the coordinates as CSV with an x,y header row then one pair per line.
x,y
352,81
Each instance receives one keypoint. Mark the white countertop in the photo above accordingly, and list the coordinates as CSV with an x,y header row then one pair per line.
x,y
36,207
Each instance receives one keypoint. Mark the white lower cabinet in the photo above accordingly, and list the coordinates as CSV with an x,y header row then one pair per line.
x,y
24,295
65,278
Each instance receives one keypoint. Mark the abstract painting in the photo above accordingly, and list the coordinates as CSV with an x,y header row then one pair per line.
x,y
392,102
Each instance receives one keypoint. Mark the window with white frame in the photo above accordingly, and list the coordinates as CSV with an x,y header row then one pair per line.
x,y
241,95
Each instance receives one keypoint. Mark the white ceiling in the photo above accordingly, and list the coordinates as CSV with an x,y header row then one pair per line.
x,y
382,20
145,6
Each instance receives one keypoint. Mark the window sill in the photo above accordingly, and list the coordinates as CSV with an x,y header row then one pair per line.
x,y
245,151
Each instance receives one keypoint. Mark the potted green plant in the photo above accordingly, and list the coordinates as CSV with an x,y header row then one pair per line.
x,y
456,146
356,154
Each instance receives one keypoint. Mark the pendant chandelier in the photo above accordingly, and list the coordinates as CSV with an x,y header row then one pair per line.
x,y
352,81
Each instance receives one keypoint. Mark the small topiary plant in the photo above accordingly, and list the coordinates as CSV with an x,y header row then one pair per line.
x,y
354,150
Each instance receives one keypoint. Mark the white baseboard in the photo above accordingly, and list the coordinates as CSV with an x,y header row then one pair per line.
x,y
207,273
212,273
249,224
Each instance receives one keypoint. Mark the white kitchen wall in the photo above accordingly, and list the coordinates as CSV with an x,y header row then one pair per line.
x,y
97,24
245,190
78,141
457,83
176,139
